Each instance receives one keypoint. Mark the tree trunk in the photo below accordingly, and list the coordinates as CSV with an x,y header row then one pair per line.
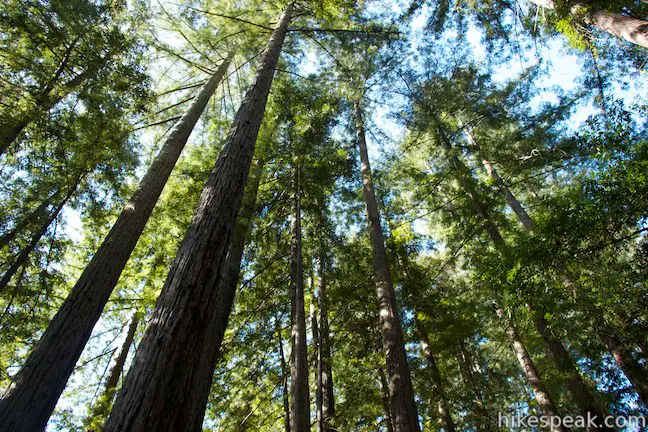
x,y
384,397
624,359
578,390
580,393
40,382
324,369
468,183
168,385
284,379
102,406
23,256
401,393
299,398
631,29
530,371
512,202
438,387
319,394
229,283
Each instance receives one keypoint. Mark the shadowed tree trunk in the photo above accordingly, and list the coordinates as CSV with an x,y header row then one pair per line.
x,y
232,272
401,393
285,396
635,373
299,398
580,393
324,369
533,376
168,385
102,406
631,29
40,382
384,397
438,387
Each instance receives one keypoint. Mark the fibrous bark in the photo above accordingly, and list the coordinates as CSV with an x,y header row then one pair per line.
x,y
40,382
168,385
401,394
628,28
299,398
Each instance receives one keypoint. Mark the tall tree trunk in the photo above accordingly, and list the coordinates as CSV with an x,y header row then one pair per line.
x,y
229,283
580,393
102,406
532,374
324,368
401,393
512,202
284,378
468,183
631,29
319,394
23,256
40,382
635,373
530,371
168,385
299,398
46,100
438,387
385,398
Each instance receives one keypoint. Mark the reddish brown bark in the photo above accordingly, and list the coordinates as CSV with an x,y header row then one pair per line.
x,y
40,382
168,385
401,394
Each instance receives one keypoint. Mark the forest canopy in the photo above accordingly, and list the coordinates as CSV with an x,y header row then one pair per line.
x,y
427,215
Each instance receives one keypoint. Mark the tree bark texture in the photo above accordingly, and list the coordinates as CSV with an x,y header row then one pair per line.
x,y
401,393
630,29
42,379
324,368
168,385
299,397
530,371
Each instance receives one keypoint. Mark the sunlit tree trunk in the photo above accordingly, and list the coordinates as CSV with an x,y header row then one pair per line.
x,y
580,393
635,373
631,29
512,202
299,398
530,371
39,383
401,394
168,385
